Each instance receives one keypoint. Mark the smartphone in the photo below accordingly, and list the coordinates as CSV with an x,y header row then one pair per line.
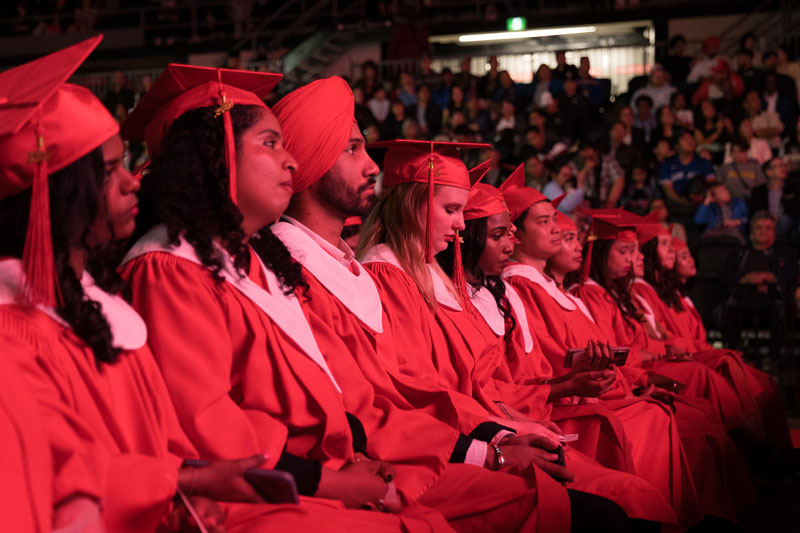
x,y
275,486
575,355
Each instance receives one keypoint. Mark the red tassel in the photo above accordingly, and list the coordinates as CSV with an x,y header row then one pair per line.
x,y
587,262
225,106
429,225
459,278
38,264
230,156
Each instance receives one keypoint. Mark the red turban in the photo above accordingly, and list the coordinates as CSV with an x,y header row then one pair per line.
x,y
316,121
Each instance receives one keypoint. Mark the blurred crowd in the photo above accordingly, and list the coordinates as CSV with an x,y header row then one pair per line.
x,y
708,139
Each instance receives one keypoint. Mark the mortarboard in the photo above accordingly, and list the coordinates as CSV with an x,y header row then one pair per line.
x,y
609,224
650,228
46,125
565,223
433,163
182,88
484,201
517,195
678,244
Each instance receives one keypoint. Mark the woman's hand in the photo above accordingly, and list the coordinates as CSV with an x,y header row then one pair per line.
x,y
592,383
78,514
212,516
222,480
360,484
520,452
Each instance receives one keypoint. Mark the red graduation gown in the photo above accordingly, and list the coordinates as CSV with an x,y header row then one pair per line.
x,y
716,472
464,350
26,493
558,325
345,313
118,421
701,382
217,375
755,388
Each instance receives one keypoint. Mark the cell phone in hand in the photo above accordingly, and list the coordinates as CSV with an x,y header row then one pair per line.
x,y
275,486
575,356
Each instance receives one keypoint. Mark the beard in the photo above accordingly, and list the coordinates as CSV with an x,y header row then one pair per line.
x,y
344,198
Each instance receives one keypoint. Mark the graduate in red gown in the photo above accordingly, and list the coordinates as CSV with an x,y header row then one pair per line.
x,y
486,251
658,282
560,321
660,292
612,257
335,178
608,295
112,433
462,345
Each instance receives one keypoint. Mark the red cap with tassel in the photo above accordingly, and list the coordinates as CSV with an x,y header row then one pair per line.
x,y
46,125
609,224
433,163
182,88
519,196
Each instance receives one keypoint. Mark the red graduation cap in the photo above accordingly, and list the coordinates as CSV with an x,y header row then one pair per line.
x,y
484,201
431,162
679,244
434,163
565,223
518,196
650,228
182,88
46,125
609,224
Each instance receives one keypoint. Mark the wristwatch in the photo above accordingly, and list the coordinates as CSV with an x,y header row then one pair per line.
x,y
501,461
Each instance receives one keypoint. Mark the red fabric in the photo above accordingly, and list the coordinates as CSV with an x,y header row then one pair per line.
x,y
649,231
316,121
465,354
519,197
26,494
700,381
240,337
757,390
484,201
470,497
662,461
113,434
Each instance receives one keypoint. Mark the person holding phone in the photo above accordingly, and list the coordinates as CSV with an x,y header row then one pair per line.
x,y
706,401
559,322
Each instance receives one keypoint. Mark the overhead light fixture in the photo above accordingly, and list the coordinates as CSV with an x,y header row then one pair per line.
x,y
527,34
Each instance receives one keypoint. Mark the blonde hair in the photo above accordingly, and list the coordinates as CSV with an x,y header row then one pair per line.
x,y
395,221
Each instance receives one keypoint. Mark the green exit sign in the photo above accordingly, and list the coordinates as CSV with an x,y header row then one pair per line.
x,y
516,23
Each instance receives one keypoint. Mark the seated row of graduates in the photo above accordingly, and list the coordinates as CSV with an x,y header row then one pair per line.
x,y
426,381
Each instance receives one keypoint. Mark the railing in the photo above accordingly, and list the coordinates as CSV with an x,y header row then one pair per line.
x,y
139,80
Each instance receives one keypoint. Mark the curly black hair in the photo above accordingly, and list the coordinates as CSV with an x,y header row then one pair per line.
x,y
618,289
76,199
665,282
187,191
474,235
